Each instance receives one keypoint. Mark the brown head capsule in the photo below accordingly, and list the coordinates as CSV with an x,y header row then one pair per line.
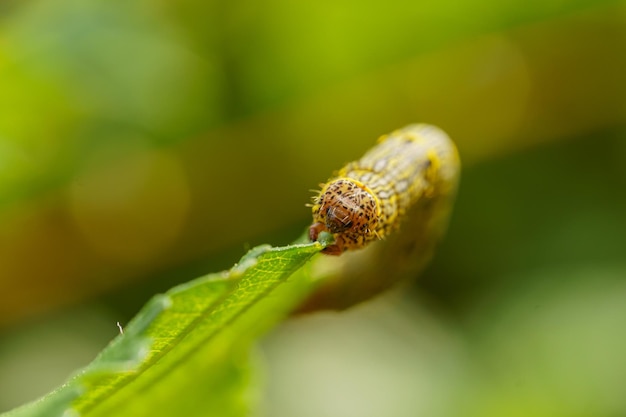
x,y
347,209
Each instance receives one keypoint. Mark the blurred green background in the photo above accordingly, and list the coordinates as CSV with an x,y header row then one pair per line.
x,y
144,143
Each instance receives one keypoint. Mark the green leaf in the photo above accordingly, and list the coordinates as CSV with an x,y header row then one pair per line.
x,y
190,344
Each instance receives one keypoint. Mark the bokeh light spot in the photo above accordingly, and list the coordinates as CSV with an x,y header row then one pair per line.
x,y
130,203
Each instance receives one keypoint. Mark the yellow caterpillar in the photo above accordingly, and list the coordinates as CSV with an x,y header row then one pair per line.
x,y
369,199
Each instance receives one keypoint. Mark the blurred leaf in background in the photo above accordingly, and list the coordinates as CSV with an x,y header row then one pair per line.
x,y
145,143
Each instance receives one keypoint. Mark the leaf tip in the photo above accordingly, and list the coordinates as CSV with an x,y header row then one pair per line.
x,y
326,238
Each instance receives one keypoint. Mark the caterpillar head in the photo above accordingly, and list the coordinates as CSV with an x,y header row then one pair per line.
x,y
347,209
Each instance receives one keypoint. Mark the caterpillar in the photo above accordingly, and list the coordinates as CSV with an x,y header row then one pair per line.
x,y
368,200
